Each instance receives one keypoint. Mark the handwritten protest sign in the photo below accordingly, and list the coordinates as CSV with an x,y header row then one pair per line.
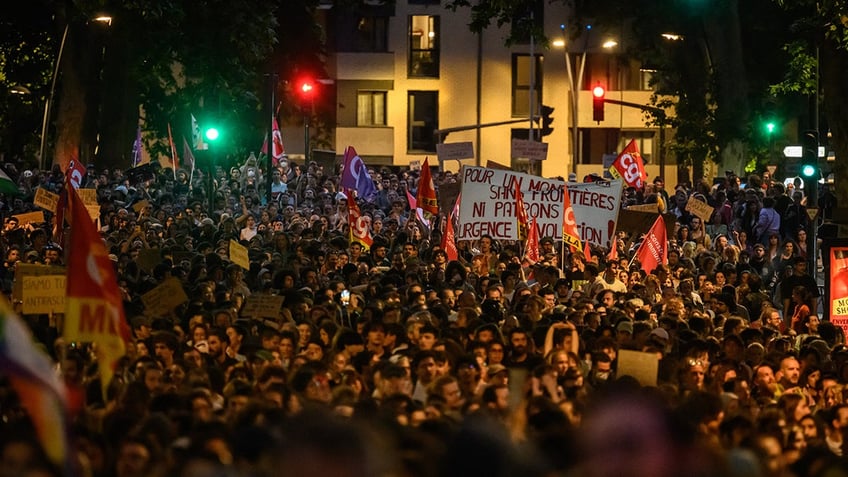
x,y
537,151
455,151
699,208
488,205
165,297
88,196
43,294
46,199
24,270
263,306
36,217
238,255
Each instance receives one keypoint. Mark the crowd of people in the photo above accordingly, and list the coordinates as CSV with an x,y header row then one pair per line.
x,y
394,360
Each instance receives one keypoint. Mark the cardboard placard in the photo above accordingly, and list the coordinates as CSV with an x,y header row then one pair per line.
x,y
642,366
36,217
88,196
490,164
238,255
263,306
415,165
165,297
140,205
699,208
43,294
535,151
46,200
31,270
455,151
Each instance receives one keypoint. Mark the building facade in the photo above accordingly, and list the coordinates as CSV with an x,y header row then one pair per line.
x,y
404,72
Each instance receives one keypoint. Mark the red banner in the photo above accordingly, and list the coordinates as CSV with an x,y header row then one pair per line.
x,y
360,231
654,248
426,196
629,166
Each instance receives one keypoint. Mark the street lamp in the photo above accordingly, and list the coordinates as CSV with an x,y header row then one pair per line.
x,y
574,86
102,18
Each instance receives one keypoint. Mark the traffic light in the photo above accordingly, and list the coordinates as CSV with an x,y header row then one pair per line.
x,y
546,128
810,154
212,134
770,127
598,93
305,90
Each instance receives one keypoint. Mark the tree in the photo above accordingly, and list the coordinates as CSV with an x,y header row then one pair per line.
x,y
157,63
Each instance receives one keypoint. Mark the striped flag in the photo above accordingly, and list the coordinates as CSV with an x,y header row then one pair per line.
x,y
39,388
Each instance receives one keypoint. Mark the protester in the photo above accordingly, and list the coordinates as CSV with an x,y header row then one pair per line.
x,y
365,341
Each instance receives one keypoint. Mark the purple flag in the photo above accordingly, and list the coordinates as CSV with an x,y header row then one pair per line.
x,y
355,175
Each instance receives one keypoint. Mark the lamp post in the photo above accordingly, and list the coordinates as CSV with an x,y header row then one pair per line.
x,y
102,18
574,86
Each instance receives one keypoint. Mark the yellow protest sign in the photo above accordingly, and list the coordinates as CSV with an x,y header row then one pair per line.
x,y
263,306
238,255
140,205
165,297
43,294
23,270
88,196
46,200
36,217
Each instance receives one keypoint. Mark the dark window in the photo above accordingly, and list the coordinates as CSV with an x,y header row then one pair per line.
x,y
422,120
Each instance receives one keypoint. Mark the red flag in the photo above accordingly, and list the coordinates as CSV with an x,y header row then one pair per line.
x,y
277,147
570,235
175,160
426,196
520,211
613,253
654,248
629,166
449,238
359,229
94,308
532,253
587,253
74,176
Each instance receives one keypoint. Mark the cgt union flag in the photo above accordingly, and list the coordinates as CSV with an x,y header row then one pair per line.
x,y
654,248
629,167
360,231
570,234
94,308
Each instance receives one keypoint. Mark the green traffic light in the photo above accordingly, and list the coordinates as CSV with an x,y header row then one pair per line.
x,y
808,170
770,127
212,134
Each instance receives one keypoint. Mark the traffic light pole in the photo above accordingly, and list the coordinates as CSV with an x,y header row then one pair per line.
x,y
811,186
305,140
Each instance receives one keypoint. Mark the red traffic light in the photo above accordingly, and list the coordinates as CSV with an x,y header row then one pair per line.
x,y
306,88
598,91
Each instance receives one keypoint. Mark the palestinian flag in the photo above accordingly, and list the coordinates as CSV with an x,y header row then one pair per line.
x,y
7,185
